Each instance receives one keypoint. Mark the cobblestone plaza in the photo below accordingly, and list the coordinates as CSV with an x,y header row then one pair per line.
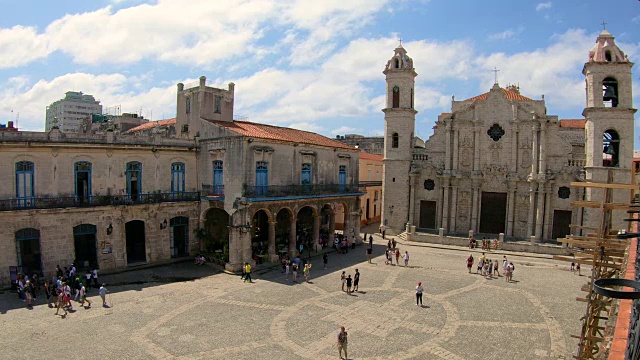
x,y
217,316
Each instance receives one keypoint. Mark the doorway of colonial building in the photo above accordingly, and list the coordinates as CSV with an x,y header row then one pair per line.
x,y
260,235
179,236
28,246
427,214
217,225
561,222
304,228
283,231
135,237
493,212
84,239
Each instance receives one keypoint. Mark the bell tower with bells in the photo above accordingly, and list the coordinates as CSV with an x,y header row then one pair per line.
x,y
399,123
609,114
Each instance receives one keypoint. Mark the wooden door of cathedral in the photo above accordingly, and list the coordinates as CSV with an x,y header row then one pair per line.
x,y
493,212
561,222
427,214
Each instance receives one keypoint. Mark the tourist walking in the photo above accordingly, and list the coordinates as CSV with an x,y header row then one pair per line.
x,y
247,272
393,243
103,294
356,280
294,270
382,231
369,252
60,304
386,257
83,296
48,291
578,269
342,343
470,263
305,271
286,270
349,282
505,263
343,279
495,268
397,257
419,290
87,277
94,275
370,241
28,291
325,259
490,269
406,259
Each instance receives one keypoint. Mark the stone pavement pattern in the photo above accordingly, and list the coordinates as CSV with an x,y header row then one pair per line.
x,y
219,316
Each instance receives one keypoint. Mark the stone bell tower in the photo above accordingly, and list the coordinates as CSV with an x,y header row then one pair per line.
x,y
399,123
609,123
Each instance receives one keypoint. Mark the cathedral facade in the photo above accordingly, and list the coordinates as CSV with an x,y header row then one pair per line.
x,y
498,163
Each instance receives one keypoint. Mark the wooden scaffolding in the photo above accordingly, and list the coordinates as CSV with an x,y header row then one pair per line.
x,y
605,253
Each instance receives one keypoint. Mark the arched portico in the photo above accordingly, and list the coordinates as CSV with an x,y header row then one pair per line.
x,y
216,222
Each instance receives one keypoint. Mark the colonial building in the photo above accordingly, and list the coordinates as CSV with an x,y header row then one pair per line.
x,y
237,190
499,163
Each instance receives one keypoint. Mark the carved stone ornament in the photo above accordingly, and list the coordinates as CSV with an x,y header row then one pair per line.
x,y
564,192
495,132
429,184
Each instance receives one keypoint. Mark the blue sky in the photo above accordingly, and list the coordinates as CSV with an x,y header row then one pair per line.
x,y
313,65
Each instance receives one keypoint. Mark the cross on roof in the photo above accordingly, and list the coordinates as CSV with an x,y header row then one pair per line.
x,y
400,41
495,70
604,25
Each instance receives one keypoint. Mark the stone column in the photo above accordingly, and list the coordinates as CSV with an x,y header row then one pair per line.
x,y
235,250
542,157
447,151
454,205
439,211
511,203
445,205
293,249
245,236
456,135
540,211
532,198
534,150
346,225
514,147
316,231
273,256
548,211
475,204
476,148
356,221
412,200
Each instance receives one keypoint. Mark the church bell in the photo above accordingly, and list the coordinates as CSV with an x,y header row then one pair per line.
x,y
609,93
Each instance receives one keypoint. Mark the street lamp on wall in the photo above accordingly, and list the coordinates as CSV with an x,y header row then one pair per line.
x,y
109,229
391,210
163,225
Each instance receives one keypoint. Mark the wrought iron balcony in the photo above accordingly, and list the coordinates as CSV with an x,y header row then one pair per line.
x,y
55,202
299,190
370,183
212,190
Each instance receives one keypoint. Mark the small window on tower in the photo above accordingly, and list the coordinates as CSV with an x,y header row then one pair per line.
x,y
397,63
610,148
188,105
218,104
396,97
607,55
394,140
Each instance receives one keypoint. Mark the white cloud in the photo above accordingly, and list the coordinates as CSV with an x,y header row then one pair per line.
x,y
543,6
20,45
636,19
502,35
307,127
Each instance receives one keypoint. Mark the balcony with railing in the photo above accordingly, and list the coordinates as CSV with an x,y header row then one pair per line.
x,y
57,202
366,184
213,191
300,191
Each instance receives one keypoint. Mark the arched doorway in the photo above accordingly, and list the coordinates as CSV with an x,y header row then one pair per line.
x,y
283,231
217,239
136,242
304,228
259,235
84,239
179,236
28,246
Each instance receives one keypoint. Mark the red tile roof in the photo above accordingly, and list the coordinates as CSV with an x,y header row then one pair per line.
x,y
368,156
508,93
151,124
572,123
263,131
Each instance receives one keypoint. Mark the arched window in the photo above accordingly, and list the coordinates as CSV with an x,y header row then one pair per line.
x,y
177,177
610,92
396,97
607,55
394,140
397,63
610,148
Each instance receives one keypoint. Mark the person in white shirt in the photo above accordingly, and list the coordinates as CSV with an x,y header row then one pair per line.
x,y
94,274
406,259
83,294
419,291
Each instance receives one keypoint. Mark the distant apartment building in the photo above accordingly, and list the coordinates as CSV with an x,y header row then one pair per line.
x,y
68,113
119,124
372,145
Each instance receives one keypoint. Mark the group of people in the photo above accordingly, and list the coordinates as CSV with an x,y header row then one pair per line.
x,y
347,281
488,268
292,267
485,243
